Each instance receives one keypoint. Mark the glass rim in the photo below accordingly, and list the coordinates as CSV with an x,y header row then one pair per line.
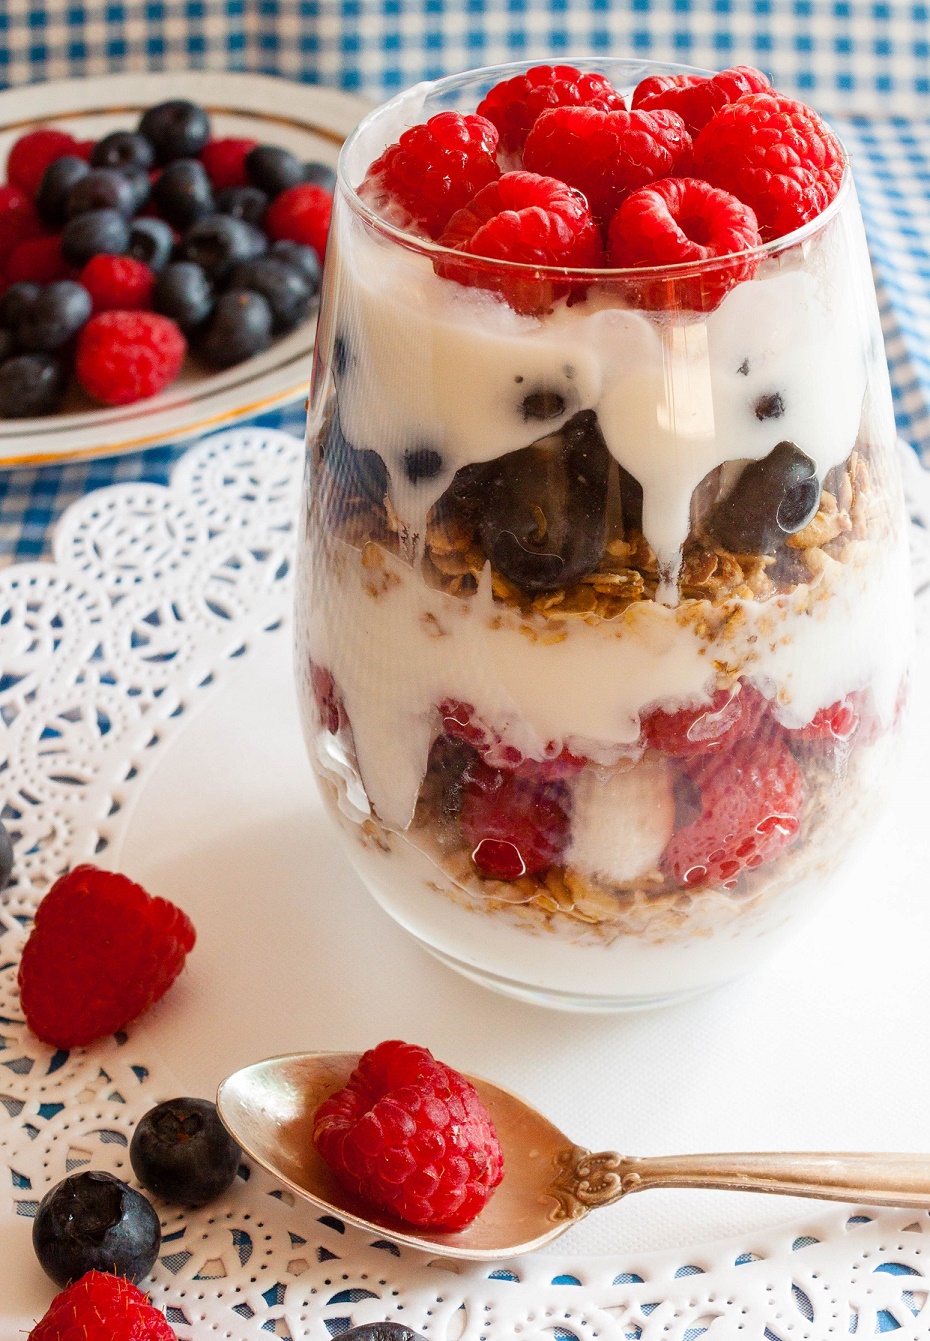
x,y
641,274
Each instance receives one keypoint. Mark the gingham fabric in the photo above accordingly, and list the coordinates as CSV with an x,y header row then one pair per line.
x,y
866,64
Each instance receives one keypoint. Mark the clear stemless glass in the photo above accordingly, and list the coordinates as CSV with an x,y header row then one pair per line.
x,y
603,609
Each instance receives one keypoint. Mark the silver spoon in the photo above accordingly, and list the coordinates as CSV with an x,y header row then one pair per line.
x,y
549,1182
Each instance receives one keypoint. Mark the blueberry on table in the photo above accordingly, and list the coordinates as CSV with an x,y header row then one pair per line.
x,y
31,385
183,293
183,192
152,242
219,242
123,149
182,1152
273,169
90,234
17,300
772,499
283,286
175,129
320,174
6,856
54,316
240,327
101,189
243,202
302,258
93,1222
57,181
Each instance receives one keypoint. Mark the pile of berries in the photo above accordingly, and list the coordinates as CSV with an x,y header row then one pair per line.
x,y
554,169
119,255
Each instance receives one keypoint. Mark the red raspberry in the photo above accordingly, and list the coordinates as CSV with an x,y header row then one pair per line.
x,y
101,951
775,155
713,726
751,801
607,154
411,1136
839,721
100,1307
301,214
514,104
38,259
432,171
462,721
328,700
224,161
118,282
515,823
125,356
678,221
83,149
33,153
18,219
697,99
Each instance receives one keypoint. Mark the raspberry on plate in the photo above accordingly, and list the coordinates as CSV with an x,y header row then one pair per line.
x,y
224,161
751,801
774,154
607,155
118,282
695,98
515,823
301,214
39,260
125,356
680,220
412,1137
101,951
18,219
432,171
101,1307
33,153
514,104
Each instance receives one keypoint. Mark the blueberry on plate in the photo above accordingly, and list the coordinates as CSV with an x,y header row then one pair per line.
x,y
6,856
219,242
182,1152
90,234
287,292
175,129
381,1331
183,293
273,169
141,185
243,202
183,192
93,1222
17,300
240,327
57,181
302,257
151,241
123,149
320,174
53,317
101,189
31,385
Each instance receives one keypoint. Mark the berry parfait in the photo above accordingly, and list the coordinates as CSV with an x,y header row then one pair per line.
x,y
604,607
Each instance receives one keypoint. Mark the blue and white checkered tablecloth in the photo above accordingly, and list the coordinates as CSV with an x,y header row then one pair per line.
x,y
865,63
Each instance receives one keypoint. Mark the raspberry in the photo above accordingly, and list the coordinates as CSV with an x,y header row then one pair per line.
x,y
38,260
607,154
328,700
101,951
774,154
411,1136
462,721
301,214
751,800
33,153
514,104
839,721
18,219
118,282
696,99
677,221
705,729
432,171
224,161
124,356
515,823
100,1307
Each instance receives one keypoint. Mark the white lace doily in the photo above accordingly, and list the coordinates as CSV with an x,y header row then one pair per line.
x,y
151,594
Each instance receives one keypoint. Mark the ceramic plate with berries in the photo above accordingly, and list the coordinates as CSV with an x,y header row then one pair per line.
x,y
160,240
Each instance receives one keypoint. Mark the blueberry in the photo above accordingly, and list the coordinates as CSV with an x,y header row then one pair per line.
x,y
772,499
381,1331
90,234
123,149
58,313
287,292
272,169
141,185
175,129
31,385
239,328
354,474
182,1152
303,258
770,407
542,405
6,856
7,344
183,293
57,181
320,174
93,1222
422,464
183,192
218,242
17,301
101,189
151,241
243,202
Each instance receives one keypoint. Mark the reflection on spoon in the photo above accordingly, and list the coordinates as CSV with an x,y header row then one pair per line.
x,y
549,1182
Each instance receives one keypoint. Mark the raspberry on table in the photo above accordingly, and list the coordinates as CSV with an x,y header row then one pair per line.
x,y
412,1137
101,951
433,170
101,1307
514,823
606,155
513,105
774,154
124,356
33,153
118,282
677,221
695,98
39,260
301,214
751,802
224,161
706,728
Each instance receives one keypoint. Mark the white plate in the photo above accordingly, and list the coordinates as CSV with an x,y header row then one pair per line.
x,y
310,121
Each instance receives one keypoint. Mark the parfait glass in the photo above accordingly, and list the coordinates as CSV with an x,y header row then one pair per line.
x,y
603,612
